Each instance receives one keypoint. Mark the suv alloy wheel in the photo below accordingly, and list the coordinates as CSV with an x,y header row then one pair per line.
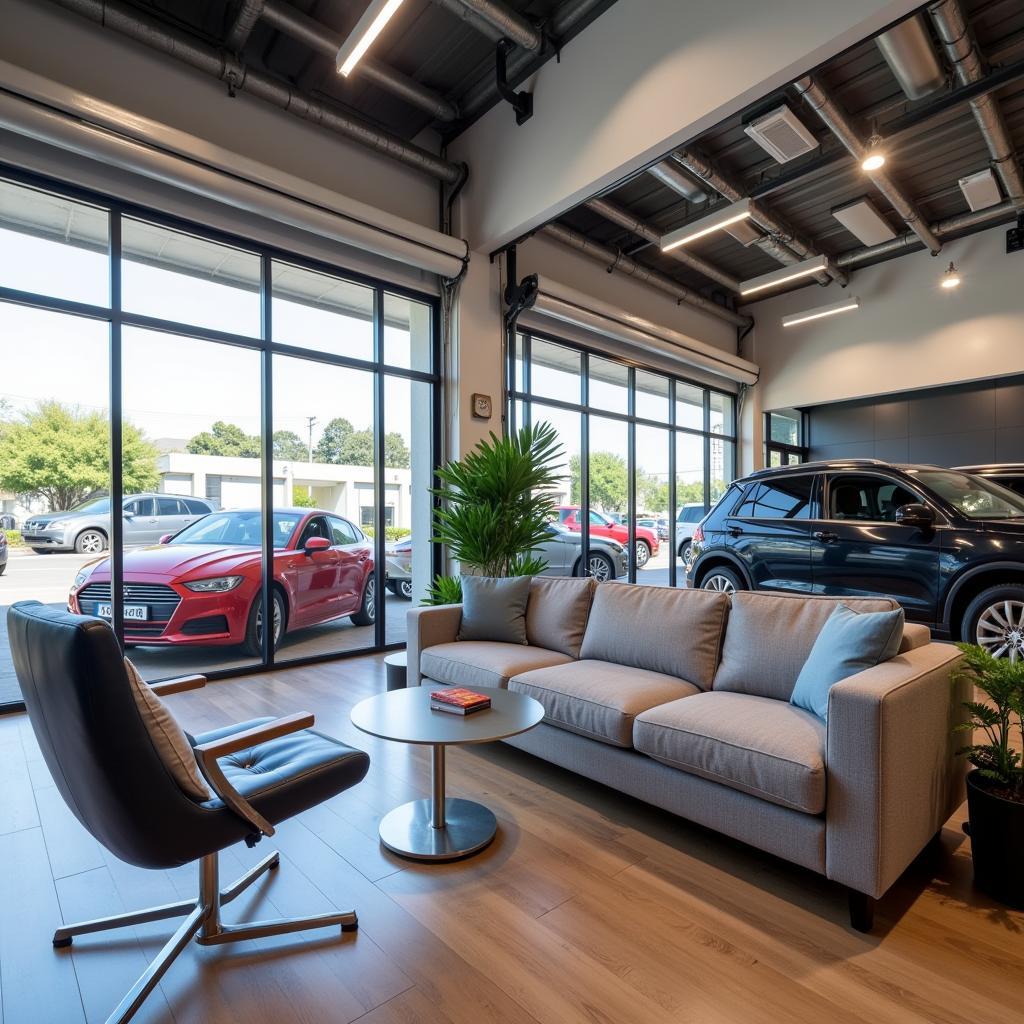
x,y
725,581
994,620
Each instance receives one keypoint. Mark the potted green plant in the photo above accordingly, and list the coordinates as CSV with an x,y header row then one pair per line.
x,y
995,789
495,507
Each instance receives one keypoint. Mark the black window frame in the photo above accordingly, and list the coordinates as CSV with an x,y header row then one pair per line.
x,y
789,454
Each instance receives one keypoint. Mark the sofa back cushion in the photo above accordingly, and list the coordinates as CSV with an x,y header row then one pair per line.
x,y
770,636
556,614
676,632
494,609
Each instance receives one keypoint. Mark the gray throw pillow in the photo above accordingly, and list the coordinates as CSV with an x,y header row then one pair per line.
x,y
494,609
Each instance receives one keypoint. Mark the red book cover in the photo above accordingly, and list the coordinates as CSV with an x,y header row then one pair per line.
x,y
467,699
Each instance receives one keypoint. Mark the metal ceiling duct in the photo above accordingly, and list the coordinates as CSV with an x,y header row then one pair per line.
x,y
908,51
220,64
241,28
618,215
612,260
670,175
301,27
781,243
837,121
955,34
508,24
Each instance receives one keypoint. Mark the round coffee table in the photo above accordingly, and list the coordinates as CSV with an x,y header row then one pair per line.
x,y
441,828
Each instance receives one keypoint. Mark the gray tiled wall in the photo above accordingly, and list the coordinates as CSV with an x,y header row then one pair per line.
x,y
952,426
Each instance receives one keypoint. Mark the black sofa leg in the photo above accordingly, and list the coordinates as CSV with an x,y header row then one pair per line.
x,y
862,911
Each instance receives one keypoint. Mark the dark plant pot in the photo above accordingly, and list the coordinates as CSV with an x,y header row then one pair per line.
x,y
997,842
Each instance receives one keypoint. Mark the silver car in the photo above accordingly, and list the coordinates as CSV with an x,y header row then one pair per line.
x,y
86,527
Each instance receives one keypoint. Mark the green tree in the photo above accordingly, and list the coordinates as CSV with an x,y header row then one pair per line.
x,y
396,451
289,446
225,439
341,444
609,489
62,454
334,442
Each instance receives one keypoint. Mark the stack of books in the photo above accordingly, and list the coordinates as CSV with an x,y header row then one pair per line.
x,y
458,702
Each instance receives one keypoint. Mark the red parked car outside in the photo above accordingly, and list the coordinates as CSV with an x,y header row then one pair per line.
x,y
202,585
602,526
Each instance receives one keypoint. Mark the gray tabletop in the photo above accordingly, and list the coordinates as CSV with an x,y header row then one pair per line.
x,y
405,716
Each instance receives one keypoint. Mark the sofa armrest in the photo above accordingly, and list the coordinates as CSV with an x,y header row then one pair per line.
x,y
427,627
914,635
893,774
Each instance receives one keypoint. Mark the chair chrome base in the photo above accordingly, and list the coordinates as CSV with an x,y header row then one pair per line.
x,y
202,923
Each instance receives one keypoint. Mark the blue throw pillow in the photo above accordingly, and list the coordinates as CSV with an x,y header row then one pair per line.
x,y
494,609
849,643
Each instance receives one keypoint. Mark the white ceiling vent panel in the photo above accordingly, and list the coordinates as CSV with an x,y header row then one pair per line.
x,y
781,134
980,190
864,222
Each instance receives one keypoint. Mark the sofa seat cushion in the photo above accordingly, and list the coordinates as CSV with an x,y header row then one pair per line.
x,y
599,699
764,747
484,662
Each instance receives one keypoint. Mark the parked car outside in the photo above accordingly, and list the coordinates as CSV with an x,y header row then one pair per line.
x,y
948,545
86,527
203,585
4,547
662,528
1009,474
603,526
398,567
687,519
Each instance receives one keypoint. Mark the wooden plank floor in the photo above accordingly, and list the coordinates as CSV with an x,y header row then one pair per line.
x,y
589,907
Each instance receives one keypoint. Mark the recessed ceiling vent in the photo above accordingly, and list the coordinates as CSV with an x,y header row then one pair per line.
x,y
781,134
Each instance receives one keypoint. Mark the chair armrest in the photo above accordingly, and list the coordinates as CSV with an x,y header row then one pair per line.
x,y
177,685
427,627
893,774
207,754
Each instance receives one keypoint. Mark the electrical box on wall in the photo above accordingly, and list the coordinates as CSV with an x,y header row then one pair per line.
x,y
1015,236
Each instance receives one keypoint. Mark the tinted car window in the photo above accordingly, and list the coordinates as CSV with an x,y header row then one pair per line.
x,y
787,497
867,498
238,528
195,507
141,507
973,496
692,515
342,532
168,507
1014,483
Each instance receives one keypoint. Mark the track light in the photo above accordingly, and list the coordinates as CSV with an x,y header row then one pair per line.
x,y
951,278
874,158
783,275
842,306
369,26
717,221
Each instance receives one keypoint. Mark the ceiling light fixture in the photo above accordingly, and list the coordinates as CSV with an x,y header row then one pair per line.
x,y
717,221
874,158
842,306
783,275
369,26
951,278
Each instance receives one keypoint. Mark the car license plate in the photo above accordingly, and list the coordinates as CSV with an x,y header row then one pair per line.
x,y
131,611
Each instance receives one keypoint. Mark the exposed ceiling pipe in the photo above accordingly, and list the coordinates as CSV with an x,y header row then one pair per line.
x,y
301,27
508,24
245,21
781,242
617,215
669,174
966,60
839,124
612,260
948,228
220,64
908,51
522,62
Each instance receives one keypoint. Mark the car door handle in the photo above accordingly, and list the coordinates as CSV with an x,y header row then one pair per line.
x,y
825,537
734,531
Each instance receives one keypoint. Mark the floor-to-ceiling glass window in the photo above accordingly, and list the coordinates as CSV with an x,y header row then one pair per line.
x,y
171,386
647,455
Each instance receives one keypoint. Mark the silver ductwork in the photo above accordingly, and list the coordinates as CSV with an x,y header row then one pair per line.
x,y
245,21
301,27
503,22
670,175
203,57
839,124
908,51
617,215
781,243
955,34
616,261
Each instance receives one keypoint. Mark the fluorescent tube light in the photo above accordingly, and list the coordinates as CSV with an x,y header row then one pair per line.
x,y
842,306
716,221
369,26
784,274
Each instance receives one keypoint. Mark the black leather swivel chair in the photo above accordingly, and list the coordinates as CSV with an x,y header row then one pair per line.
x,y
106,767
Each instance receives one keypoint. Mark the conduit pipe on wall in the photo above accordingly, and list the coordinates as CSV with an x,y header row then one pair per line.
x,y
563,303
839,124
222,65
89,128
503,21
951,25
617,261
301,27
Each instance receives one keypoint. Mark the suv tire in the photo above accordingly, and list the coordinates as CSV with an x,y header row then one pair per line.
x,y
725,581
90,542
995,620
643,553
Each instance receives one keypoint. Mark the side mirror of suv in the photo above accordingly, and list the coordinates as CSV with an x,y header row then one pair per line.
x,y
915,514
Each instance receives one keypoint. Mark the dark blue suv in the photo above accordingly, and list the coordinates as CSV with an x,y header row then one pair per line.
x,y
948,545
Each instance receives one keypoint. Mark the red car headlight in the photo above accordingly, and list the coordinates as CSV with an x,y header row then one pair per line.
x,y
215,585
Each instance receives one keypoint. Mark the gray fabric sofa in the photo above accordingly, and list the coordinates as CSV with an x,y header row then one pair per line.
x,y
681,698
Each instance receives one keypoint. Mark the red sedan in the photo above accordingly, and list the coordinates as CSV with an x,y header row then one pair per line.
x,y
202,585
601,526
